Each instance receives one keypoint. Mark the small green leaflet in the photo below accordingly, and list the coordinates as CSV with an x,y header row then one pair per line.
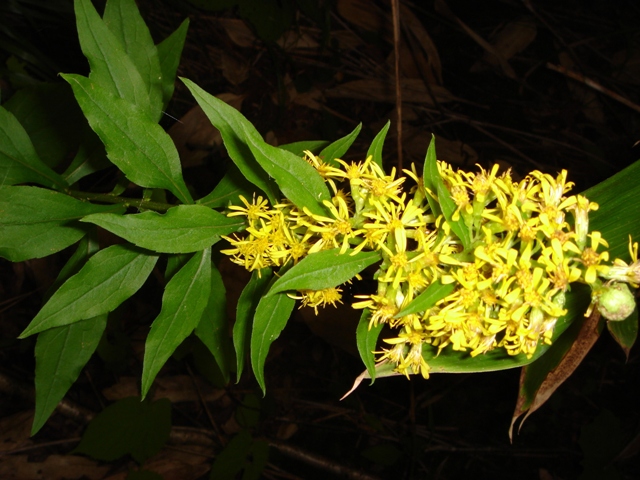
x,y
625,332
135,144
338,148
427,299
182,229
183,302
37,222
270,319
324,269
375,149
247,304
433,181
227,191
366,340
169,52
109,277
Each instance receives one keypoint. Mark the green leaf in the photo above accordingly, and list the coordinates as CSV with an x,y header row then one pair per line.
x,y
270,319
297,179
241,453
169,53
247,305
213,328
232,185
366,340
61,353
19,162
183,302
87,246
427,299
128,427
135,144
625,332
91,157
228,121
182,229
123,18
299,148
434,182
338,148
324,269
375,149
37,222
109,277
111,67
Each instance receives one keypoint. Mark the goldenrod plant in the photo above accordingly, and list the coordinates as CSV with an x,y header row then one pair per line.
x,y
475,270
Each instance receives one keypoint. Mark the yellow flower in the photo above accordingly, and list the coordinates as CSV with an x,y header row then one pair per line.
x,y
319,298
253,211
591,258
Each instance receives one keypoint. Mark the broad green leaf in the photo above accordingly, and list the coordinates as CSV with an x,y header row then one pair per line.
x,y
270,319
123,18
230,187
625,332
37,222
228,121
135,144
366,340
324,269
169,52
61,353
618,215
183,302
241,454
128,427
299,148
182,229
247,304
433,181
51,118
296,178
427,299
19,162
375,149
338,148
111,67
109,277
213,328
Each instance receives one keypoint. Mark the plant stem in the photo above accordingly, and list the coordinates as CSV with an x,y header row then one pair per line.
x,y
128,202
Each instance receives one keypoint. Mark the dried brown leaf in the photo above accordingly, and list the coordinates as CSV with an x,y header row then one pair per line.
x,y
177,388
510,40
380,90
425,54
368,16
55,467
238,31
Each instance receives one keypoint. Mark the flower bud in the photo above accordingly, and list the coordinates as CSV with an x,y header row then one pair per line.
x,y
615,302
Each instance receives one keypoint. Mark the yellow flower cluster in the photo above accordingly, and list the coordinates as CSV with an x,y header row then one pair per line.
x,y
509,281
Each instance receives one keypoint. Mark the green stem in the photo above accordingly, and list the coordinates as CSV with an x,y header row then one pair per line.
x,y
128,202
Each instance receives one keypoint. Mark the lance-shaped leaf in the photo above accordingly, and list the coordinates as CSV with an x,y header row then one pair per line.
x,y
324,269
338,148
61,353
183,229
185,298
123,18
19,162
433,181
213,328
37,222
109,277
169,52
247,304
427,299
270,319
111,67
625,332
366,340
375,150
136,145
296,178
